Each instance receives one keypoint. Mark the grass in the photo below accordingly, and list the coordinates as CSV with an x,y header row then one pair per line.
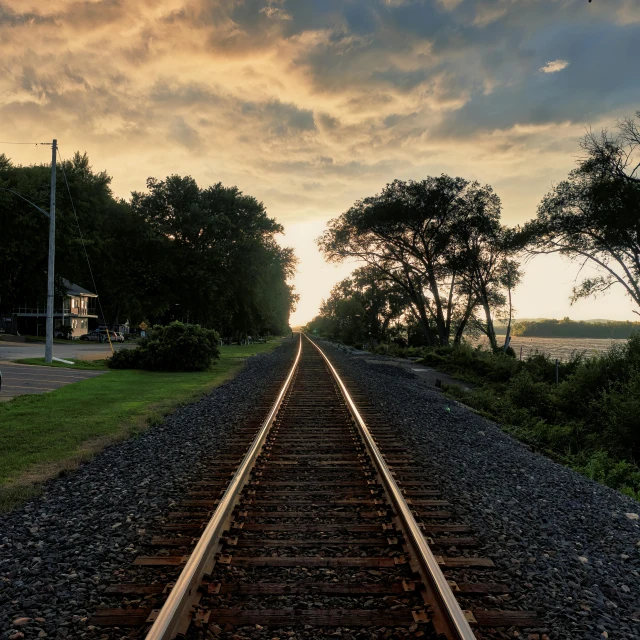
x,y
588,420
55,340
42,436
77,364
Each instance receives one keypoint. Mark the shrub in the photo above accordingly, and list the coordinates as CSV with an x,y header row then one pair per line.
x,y
524,392
621,404
176,347
432,359
618,474
66,330
589,420
396,350
501,367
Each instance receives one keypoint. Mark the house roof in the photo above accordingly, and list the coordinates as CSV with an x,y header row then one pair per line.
x,y
75,290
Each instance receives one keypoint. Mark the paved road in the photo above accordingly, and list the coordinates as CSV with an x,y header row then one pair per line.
x,y
82,350
21,379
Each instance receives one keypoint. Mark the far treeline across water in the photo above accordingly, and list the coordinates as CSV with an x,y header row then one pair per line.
x,y
567,328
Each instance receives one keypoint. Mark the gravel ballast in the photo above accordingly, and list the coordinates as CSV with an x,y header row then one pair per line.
x,y
564,540
57,552
571,544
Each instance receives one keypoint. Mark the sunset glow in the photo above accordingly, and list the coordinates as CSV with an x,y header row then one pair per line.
x,y
310,106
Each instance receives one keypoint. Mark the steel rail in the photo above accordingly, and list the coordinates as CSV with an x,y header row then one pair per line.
x,y
174,617
427,560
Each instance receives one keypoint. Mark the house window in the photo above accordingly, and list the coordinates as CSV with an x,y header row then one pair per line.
x,y
74,324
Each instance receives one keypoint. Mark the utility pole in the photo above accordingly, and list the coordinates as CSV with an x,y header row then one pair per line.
x,y
48,349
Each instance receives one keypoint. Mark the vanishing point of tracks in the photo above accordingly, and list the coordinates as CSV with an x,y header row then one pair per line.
x,y
314,519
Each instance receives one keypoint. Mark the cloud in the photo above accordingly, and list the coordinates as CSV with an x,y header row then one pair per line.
x,y
185,134
554,66
280,119
310,105
263,92
272,10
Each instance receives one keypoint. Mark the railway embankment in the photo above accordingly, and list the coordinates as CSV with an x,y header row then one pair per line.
x,y
572,542
568,547
56,550
52,431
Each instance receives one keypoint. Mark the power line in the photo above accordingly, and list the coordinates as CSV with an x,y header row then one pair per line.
x,y
84,247
35,143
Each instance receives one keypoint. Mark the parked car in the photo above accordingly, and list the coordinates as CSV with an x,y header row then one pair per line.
x,y
112,335
100,335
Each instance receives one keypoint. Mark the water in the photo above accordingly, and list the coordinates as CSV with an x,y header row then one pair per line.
x,y
560,348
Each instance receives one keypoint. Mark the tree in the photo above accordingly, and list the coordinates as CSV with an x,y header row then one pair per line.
x,y
594,215
23,236
438,240
510,277
227,270
176,252
361,308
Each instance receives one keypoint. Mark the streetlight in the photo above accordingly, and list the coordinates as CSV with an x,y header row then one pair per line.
x,y
48,348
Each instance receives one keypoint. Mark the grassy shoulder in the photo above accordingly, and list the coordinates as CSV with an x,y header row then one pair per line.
x,y
44,435
77,364
588,420
55,340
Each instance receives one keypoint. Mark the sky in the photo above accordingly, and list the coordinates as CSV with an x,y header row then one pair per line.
x,y
310,105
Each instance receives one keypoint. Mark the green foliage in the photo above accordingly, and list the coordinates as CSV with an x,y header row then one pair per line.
x,y
594,214
176,347
607,470
361,309
65,330
225,268
174,252
567,328
398,351
441,243
473,364
589,420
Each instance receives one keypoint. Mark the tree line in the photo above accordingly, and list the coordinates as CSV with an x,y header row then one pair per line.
x,y
175,251
567,328
438,261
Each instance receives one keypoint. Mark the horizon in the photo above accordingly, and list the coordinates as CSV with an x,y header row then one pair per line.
x,y
309,108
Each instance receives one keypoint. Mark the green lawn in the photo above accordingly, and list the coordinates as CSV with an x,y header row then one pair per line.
x,y
77,364
55,340
43,435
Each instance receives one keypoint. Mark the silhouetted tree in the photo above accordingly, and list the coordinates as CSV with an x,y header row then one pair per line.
x,y
594,215
439,240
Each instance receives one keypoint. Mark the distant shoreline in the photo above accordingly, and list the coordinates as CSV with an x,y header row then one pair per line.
x,y
562,348
572,329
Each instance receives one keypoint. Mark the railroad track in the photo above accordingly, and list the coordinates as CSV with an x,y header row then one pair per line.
x,y
315,520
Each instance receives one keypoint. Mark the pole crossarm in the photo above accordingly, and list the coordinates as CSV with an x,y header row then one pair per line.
x,y
15,193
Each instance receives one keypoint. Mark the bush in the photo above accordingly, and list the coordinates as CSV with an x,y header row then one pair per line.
x,y
620,403
473,364
396,350
618,474
524,392
65,331
589,420
176,347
